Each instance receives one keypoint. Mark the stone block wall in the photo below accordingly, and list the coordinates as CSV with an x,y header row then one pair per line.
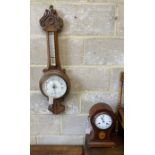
x,y
91,51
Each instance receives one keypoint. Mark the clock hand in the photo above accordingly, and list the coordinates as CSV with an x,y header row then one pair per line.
x,y
102,119
55,90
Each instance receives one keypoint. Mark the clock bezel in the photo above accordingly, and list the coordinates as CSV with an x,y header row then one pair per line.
x,y
97,115
57,73
109,112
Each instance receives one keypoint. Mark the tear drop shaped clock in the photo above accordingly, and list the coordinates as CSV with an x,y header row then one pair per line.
x,y
54,84
102,120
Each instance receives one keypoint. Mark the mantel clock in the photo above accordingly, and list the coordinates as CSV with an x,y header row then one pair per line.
x,y
102,120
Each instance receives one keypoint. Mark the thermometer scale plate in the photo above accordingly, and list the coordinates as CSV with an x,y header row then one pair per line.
x,y
52,48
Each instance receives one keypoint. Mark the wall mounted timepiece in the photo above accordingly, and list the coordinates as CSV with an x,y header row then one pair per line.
x,y
102,120
54,84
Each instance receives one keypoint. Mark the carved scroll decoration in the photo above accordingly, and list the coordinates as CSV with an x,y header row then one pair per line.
x,y
51,19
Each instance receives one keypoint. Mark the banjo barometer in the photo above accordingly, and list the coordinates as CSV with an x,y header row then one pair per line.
x,y
54,84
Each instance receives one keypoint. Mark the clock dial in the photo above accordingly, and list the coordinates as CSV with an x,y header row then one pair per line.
x,y
103,121
54,86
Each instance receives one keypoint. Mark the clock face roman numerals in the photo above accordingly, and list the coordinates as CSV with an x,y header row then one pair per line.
x,y
52,48
103,121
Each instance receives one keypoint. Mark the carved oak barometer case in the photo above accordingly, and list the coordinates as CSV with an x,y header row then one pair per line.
x,y
54,84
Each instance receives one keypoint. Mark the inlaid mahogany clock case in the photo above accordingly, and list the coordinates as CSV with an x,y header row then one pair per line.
x,y
100,137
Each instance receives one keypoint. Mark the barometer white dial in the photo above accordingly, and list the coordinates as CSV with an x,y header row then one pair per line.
x,y
103,121
54,86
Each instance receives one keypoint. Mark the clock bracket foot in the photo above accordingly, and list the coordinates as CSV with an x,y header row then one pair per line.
x,y
56,107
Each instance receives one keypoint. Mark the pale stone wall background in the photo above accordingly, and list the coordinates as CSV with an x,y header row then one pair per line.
x,y
91,51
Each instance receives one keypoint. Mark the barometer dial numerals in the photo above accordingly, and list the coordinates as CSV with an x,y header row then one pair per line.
x,y
54,86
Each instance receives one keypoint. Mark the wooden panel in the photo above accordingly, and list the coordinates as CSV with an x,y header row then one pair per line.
x,y
121,116
56,150
118,149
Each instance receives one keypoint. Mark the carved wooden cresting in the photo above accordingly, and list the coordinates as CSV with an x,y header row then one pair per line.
x,y
51,20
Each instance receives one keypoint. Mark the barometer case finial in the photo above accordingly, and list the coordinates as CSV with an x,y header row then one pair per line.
x,y
50,20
